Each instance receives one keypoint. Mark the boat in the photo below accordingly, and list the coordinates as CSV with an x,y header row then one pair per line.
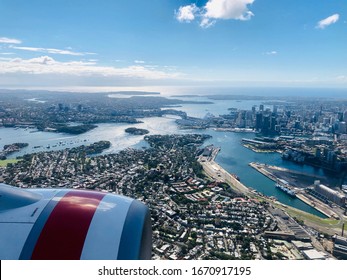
x,y
286,190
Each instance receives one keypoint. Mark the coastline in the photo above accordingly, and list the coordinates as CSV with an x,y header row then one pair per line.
x,y
217,172
316,204
329,225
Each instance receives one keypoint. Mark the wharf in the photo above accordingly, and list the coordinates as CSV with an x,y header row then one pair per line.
x,y
318,205
260,168
329,226
296,179
257,150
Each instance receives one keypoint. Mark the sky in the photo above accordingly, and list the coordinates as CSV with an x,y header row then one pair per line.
x,y
130,43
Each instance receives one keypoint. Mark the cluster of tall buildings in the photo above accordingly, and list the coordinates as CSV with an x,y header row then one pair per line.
x,y
286,119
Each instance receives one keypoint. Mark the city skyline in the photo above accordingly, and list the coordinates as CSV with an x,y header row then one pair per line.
x,y
172,43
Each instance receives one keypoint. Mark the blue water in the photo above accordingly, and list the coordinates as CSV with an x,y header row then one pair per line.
x,y
115,133
233,156
219,107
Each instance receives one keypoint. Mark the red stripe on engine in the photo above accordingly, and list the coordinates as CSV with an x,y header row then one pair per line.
x,y
64,233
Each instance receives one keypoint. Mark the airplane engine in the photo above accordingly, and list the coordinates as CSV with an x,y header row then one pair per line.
x,y
70,224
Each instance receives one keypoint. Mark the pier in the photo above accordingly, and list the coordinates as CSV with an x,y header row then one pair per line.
x,y
299,191
328,225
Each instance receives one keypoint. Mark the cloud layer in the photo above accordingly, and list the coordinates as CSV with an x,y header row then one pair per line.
x,y
328,21
49,50
12,44
46,68
215,10
44,65
5,40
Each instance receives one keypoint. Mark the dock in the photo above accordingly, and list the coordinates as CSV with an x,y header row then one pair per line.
x,y
296,179
260,168
300,193
217,173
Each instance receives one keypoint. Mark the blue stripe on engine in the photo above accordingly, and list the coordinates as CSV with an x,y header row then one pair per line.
x,y
35,232
130,246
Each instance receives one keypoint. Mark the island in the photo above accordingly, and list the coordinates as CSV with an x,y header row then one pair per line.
x,y
93,149
55,111
76,129
136,131
11,148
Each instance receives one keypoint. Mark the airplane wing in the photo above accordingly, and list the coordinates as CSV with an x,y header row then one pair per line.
x,y
69,224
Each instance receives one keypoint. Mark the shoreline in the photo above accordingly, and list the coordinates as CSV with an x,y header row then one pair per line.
x,y
303,197
218,173
325,225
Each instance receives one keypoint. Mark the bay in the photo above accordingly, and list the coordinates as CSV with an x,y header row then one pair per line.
x,y
114,132
233,156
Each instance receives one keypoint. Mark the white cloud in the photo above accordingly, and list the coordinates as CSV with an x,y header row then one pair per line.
x,y
328,21
51,51
47,65
271,53
341,78
139,62
228,9
38,60
215,10
187,13
206,22
6,40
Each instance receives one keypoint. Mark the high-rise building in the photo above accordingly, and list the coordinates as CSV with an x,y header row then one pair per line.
x,y
345,116
258,121
342,127
266,124
340,116
273,122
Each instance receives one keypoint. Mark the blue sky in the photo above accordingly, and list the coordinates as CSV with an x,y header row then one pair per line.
x,y
173,42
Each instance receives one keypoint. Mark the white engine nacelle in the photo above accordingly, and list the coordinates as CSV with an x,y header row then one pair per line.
x,y
68,224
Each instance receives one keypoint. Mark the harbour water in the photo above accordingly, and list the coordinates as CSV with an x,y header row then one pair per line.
x,y
233,157
115,133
